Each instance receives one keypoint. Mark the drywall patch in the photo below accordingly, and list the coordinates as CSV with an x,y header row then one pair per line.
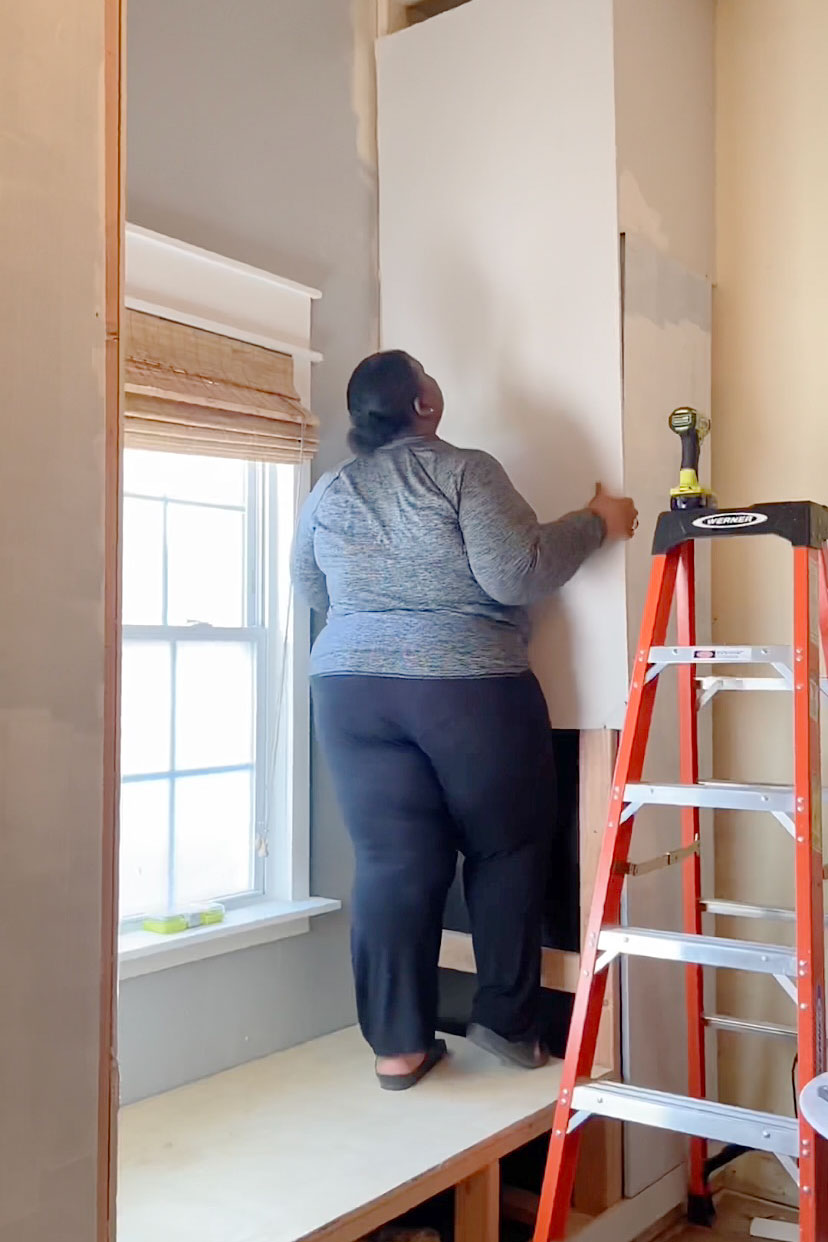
x,y
635,213
364,79
662,289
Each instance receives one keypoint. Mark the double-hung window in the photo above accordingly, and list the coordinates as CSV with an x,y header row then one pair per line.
x,y
210,489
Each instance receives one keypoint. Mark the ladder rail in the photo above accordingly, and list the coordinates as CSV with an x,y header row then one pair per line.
x,y
606,904
688,710
809,567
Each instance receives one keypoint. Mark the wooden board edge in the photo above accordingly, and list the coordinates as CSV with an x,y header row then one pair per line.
x,y
114,35
356,1225
559,970
391,17
599,1179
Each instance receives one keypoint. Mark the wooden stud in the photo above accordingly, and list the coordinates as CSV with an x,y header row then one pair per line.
x,y
599,1180
477,1206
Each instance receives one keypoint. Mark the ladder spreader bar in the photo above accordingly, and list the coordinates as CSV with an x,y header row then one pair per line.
x,y
723,1022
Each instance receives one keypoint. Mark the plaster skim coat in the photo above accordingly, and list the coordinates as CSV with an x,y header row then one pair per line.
x,y
58,343
770,434
251,134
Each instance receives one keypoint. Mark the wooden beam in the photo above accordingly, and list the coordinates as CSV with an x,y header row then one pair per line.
x,y
521,1206
477,1206
391,16
599,1181
559,970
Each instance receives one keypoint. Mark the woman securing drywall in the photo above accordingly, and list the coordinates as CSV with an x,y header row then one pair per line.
x,y
425,558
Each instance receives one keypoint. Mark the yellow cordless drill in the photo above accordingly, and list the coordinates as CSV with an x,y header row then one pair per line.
x,y
691,427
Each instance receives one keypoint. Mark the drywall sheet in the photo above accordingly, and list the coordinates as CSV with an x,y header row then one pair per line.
x,y
499,269
52,639
667,337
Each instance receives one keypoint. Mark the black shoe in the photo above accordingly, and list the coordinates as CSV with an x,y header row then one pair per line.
x,y
525,1053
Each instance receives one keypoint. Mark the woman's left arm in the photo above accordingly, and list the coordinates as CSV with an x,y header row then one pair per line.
x,y
308,579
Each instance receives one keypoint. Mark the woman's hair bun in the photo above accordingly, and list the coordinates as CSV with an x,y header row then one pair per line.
x,y
381,395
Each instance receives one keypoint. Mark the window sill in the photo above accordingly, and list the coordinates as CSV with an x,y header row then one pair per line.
x,y
143,953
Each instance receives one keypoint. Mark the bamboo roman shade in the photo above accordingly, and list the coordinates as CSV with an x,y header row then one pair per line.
x,y
190,391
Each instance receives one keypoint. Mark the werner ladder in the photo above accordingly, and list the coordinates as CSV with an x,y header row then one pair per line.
x,y
800,970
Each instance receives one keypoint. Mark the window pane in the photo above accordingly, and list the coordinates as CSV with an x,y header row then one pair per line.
x,y
213,836
144,472
205,557
143,562
145,708
214,724
144,858
209,480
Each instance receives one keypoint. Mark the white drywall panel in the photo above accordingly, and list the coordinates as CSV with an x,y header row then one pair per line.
x,y
52,640
499,270
667,339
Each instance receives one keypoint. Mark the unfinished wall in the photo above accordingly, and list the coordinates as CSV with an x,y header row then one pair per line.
x,y
59,170
251,133
665,143
771,439
665,105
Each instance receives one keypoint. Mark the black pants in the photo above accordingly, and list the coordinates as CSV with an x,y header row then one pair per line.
x,y
424,768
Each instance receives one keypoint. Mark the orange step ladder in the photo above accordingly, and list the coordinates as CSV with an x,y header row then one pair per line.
x,y
799,970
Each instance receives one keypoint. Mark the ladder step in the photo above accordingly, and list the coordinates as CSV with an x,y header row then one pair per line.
x,y
766,959
702,1118
740,910
722,655
715,795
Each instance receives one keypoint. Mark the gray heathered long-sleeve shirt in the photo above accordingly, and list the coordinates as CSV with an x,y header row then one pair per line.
x,y
426,559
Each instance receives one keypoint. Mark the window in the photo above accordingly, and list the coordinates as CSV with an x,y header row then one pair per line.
x,y
206,618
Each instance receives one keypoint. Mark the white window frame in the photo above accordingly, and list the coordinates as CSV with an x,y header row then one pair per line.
x,y
176,281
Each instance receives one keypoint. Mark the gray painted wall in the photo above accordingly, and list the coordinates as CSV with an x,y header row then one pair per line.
x,y
243,138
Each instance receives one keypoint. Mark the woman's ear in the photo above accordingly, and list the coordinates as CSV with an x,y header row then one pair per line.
x,y
421,410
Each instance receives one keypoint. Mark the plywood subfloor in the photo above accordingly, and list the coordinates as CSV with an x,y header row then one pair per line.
x,y
299,1144
734,1213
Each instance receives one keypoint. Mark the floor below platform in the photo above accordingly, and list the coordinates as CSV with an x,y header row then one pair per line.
x,y
734,1213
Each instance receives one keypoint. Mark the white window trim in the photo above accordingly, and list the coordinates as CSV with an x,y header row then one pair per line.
x,y
259,922
174,280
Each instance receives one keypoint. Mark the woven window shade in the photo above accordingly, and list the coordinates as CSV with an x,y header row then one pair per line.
x,y
189,391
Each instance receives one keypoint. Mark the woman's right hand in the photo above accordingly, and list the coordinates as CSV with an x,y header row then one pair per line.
x,y
618,513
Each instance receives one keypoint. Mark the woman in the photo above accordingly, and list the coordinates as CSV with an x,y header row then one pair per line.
x,y
425,559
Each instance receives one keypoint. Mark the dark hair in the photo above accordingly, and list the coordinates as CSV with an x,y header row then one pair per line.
x,y
381,396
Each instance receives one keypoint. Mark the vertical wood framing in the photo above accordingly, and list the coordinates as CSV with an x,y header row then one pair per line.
x,y
691,868
809,612
477,1206
114,224
599,1178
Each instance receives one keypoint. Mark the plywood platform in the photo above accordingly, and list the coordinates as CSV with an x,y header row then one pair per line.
x,y
303,1145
